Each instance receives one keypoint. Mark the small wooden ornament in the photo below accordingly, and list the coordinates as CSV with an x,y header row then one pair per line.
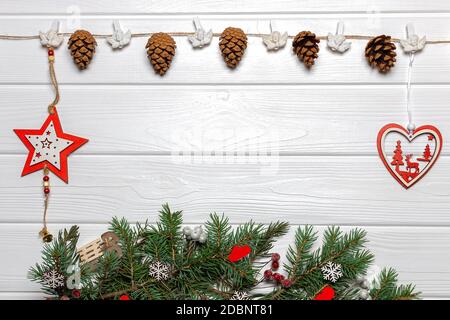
x,y
399,159
92,251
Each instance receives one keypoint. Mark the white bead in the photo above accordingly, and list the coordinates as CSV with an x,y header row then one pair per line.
x,y
187,231
364,294
202,238
46,184
411,127
365,284
195,235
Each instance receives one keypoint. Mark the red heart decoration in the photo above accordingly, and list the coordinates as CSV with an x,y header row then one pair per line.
x,y
327,293
408,171
239,252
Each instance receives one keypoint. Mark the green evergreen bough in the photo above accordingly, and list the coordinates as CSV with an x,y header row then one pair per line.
x,y
203,271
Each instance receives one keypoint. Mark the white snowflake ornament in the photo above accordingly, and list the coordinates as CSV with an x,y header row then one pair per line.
x,y
413,42
332,271
53,279
51,38
159,271
120,38
200,38
275,40
336,42
240,295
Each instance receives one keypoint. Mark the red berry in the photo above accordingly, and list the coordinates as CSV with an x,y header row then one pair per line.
x,y
275,265
51,52
124,297
76,293
268,274
278,277
46,178
275,257
46,190
286,283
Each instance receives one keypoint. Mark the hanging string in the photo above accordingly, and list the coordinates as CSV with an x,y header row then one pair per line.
x,y
53,80
44,233
411,126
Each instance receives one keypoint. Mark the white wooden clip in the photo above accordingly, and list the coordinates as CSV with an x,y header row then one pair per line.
x,y
51,38
200,38
120,38
336,42
413,42
275,40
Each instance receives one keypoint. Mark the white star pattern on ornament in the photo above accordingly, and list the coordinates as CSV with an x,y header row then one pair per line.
x,y
48,146
53,279
159,270
332,271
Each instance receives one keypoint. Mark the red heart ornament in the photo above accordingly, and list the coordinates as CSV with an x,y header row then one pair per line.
x,y
239,252
408,168
327,293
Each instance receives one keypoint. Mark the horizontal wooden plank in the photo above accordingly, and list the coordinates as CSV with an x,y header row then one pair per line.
x,y
131,66
299,189
314,120
27,295
213,6
421,255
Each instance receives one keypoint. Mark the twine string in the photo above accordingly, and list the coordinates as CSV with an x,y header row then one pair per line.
x,y
44,219
55,85
215,34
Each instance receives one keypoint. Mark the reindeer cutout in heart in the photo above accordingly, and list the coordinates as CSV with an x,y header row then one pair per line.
x,y
408,156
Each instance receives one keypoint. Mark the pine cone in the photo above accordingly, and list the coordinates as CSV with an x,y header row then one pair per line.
x,y
380,53
160,51
233,43
305,46
82,48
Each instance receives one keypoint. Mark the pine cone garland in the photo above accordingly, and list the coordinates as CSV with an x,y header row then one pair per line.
x,y
160,51
305,46
380,53
82,48
233,43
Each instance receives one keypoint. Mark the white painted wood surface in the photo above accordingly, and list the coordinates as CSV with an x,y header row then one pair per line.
x,y
319,128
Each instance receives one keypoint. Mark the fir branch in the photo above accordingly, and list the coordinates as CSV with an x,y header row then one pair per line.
x,y
203,270
385,287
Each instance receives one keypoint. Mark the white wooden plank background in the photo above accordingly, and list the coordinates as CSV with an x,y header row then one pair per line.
x,y
319,127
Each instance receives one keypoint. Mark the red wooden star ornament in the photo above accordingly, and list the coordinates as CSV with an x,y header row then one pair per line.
x,y
49,147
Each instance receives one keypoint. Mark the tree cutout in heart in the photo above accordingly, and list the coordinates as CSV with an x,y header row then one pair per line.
x,y
327,293
409,156
239,252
